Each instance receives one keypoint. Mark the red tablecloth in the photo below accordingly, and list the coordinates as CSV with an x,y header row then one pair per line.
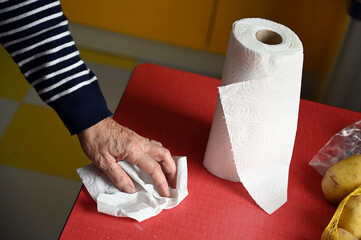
x,y
176,108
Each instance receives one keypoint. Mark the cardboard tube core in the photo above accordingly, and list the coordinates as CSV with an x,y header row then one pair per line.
x,y
268,37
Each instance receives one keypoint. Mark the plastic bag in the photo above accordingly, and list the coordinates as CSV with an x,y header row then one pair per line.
x,y
331,232
344,144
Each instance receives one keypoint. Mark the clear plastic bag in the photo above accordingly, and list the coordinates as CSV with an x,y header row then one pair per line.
x,y
344,144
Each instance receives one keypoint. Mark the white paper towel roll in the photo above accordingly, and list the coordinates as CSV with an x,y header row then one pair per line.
x,y
255,122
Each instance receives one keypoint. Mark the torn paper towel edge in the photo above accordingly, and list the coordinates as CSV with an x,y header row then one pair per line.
x,y
141,205
267,183
220,162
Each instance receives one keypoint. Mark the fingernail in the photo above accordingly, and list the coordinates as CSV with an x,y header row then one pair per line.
x,y
129,189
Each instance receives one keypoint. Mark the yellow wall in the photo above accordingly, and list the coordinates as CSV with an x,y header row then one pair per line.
x,y
206,24
181,22
319,24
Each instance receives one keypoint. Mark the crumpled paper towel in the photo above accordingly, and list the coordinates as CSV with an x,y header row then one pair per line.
x,y
255,122
146,202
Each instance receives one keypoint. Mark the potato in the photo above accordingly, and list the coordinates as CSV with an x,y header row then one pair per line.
x,y
342,233
345,235
350,218
342,178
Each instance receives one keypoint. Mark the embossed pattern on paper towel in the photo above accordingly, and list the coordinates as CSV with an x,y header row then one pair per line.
x,y
259,97
93,178
257,102
247,66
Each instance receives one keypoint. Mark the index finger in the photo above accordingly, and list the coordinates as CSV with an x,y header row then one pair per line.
x,y
163,156
151,167
118,176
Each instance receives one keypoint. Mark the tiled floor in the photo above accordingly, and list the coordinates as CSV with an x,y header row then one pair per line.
x,y
34,205
38,157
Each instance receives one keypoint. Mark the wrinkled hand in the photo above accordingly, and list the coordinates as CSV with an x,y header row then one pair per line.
x,y
107,142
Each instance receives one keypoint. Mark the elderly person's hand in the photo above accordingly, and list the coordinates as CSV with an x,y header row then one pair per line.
x,y
107,142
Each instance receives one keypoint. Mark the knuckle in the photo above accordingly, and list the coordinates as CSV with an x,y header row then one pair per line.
x,y
102,163
108,168
133,145
164,153
156,172
135,158
156,142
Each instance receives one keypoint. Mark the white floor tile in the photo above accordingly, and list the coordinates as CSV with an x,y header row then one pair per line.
x,y
7,111
34,205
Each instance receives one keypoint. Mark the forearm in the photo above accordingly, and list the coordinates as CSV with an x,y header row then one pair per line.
x,y
36,35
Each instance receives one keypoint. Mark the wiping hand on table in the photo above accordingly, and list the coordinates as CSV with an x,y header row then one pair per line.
x,y
107,142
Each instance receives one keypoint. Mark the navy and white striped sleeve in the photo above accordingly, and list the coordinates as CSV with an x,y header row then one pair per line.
x,y
36,35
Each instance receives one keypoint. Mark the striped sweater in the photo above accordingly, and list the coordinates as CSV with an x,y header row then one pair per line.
x,y
36,35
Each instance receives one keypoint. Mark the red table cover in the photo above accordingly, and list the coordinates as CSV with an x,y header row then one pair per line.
x,y
176,108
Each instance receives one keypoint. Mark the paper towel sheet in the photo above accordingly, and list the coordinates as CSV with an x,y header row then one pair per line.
x,y
146,202
254,127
